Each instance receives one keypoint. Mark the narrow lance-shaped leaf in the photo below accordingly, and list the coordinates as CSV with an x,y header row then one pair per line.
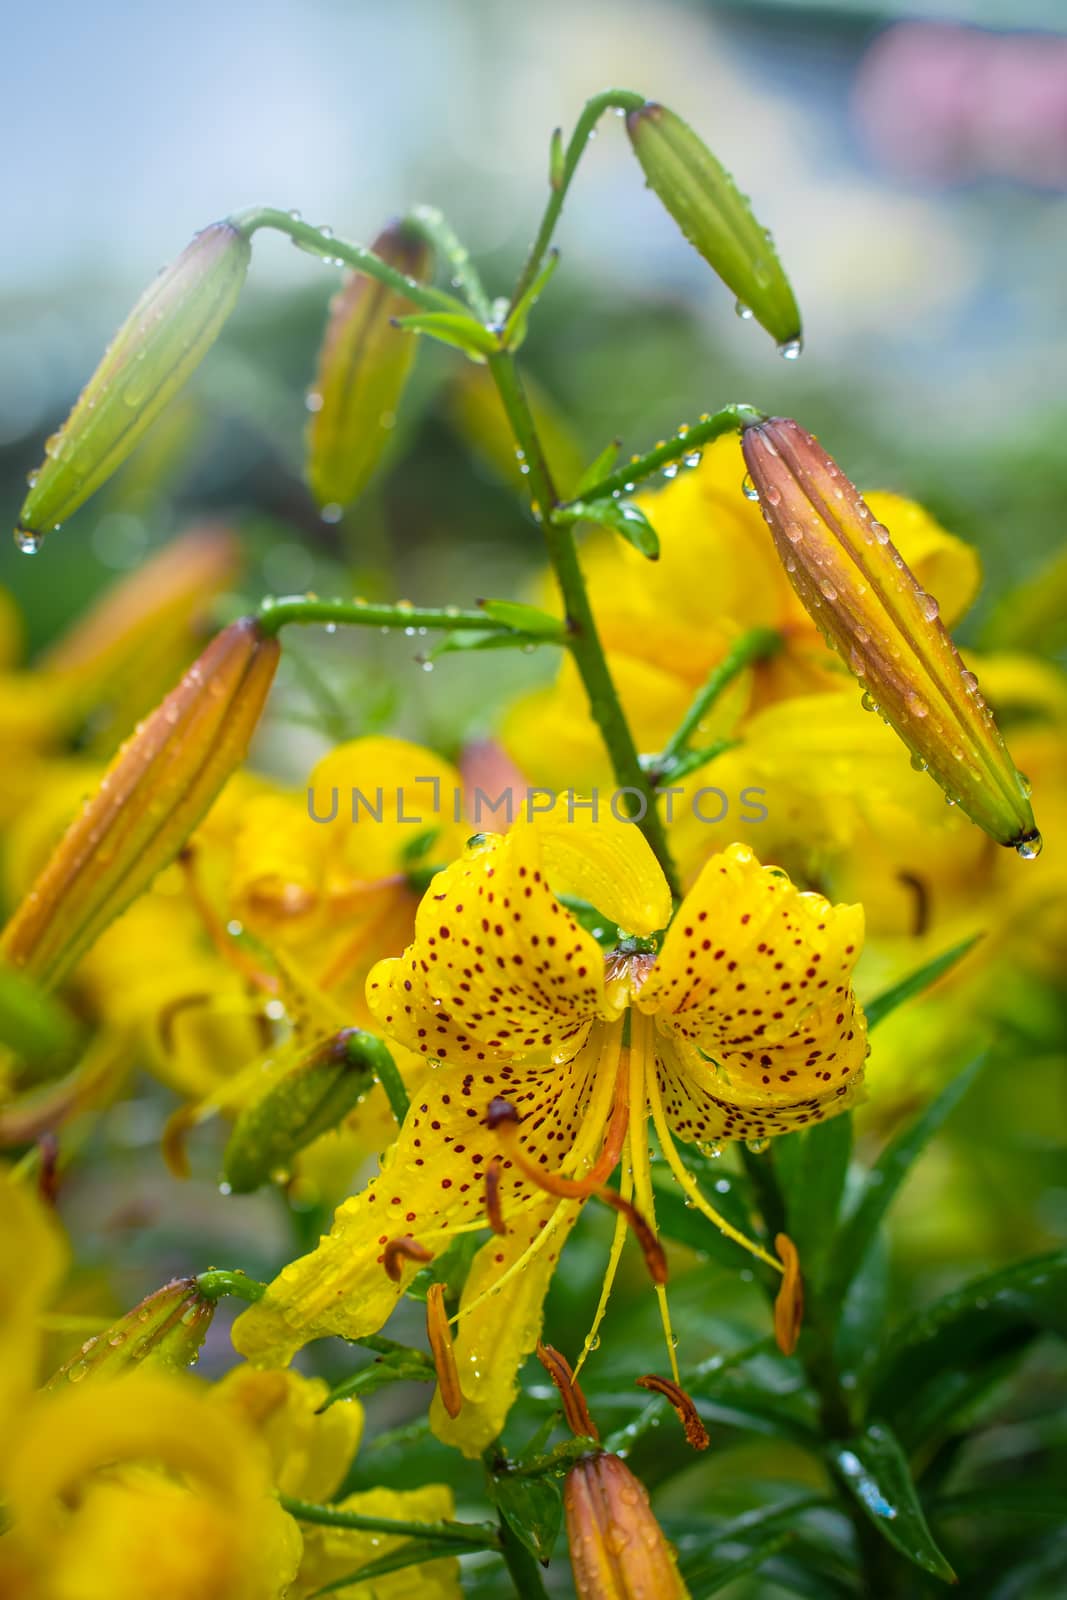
x,y
887,1175
875,1470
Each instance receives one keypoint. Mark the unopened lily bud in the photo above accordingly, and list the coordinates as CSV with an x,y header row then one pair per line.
x,y
363,367
618,1550
165,1330
163,339
715,217
857,588
311,1097
159,786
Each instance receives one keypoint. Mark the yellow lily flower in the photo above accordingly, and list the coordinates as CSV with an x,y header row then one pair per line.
x,y
310,1451
744,1025
144,1478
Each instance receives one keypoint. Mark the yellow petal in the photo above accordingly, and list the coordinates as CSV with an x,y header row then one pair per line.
x,y
498,970
310,1450
493,1341
33,1257
752,994
605,861
431,1183
330,1553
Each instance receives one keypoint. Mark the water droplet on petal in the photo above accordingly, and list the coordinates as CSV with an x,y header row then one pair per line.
x,y
744,312
1029,847
748,488
28,540
791,349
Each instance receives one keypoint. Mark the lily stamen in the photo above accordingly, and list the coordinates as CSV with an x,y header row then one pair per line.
x,y
575,1409
397,1251
695,1432
444,1356
789,1304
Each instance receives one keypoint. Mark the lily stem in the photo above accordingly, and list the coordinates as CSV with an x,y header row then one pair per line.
x,y
218,1281
610,99
755,645
439,233
356,256
686,442
481,1533
583,637
276,614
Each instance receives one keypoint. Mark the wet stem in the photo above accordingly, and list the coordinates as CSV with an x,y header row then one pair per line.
x,y
583,638
885,1576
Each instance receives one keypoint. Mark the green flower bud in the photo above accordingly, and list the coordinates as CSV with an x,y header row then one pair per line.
x,y
715,217
363,366
166,335
306,1100
165,1330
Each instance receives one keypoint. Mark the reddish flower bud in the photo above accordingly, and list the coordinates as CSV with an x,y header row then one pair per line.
x,y
618,1550
857,588
156,790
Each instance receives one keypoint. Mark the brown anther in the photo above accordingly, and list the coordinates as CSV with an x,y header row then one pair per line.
x,y
397,1251
48,1171
921,914
555,1182
789,1305
654,1253
501,1114
493,1212
575,1409
170,1013
444,1356
695,1432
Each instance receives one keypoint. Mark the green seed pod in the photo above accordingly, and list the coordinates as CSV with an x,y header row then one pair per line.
x,y
715,217
163,339
165,1330
363,366
311,1098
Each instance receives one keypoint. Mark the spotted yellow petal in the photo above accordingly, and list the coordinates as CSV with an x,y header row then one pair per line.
x,y
604,860
432,1183
494,1340
498,970
752,994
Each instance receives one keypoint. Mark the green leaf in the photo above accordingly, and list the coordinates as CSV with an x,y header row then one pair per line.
x,y
462,642
886,1176
464,333
532,1507
514,332
528,619
415,1552
398,1366
875,1470
704,1578
862,1316
974,1324
450,1267
811,1168
622,517
916,982
598,468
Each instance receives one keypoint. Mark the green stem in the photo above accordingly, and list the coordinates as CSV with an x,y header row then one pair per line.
x,y
481,1533
276,614
593,110
393,1084
755,645
438,232
584,640
522,1567
217,1282
689,762
349,255
731,419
